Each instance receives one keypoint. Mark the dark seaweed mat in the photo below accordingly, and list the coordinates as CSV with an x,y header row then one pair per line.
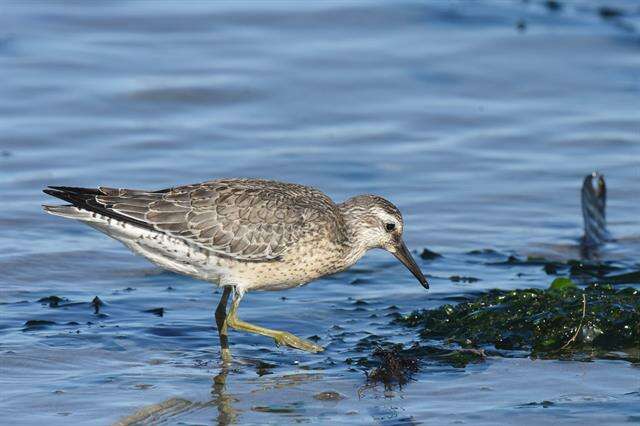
x,y
393,366
542,322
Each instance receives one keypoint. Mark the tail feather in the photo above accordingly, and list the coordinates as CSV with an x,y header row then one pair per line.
x,y
70,212
85,200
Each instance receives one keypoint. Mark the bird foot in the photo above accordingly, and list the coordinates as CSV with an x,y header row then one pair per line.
x,y
288,339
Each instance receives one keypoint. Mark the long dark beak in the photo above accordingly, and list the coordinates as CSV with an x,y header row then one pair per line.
x,y
403,255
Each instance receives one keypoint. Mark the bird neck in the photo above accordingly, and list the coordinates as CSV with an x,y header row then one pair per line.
x,y
359,241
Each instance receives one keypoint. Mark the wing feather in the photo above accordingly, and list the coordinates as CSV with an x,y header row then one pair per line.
x,y
246,219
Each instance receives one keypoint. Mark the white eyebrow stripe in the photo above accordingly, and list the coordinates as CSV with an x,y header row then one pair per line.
x,y
386,217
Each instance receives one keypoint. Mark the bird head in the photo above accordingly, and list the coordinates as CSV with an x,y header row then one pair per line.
x,y
377,223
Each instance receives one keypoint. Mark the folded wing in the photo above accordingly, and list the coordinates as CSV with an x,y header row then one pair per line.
x,y
249,220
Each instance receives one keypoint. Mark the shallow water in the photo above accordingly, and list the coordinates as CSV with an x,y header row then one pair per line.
x,y
479,131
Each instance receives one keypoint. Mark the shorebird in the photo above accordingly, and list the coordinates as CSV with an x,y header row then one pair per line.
x,y
243,235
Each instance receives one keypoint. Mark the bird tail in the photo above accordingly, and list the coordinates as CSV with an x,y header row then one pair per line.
x,y
78,197
70,212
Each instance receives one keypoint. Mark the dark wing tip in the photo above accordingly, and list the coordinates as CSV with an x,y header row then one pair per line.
x,y
75,190
85,198
58,193
71,194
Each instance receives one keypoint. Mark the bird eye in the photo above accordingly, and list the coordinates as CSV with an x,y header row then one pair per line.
x,y
390,226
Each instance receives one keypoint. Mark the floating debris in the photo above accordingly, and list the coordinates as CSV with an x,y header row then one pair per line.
x,y
37,324
276,409
458,278
485,252
156,311
142,386
328,396
553,5
588,271
429,255
53,301
563,321
97,304
607,12
263,368
543,404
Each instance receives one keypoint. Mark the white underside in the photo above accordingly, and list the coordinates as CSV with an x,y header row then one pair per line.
x,y
165,251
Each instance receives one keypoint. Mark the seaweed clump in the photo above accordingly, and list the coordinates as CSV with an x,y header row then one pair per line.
x,y
393,367
562,322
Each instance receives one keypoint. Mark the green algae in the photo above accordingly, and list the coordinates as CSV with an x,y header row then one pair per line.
x,y
561,322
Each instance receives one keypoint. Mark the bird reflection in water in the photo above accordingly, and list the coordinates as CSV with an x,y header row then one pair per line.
x,y
227,414
227,404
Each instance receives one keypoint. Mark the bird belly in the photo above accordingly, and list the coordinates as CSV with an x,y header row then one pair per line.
x,y
177,256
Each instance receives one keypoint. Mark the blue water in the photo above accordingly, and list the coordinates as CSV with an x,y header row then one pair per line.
x,y
479,131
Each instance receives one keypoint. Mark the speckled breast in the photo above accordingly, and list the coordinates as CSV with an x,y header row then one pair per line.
x,y
302,263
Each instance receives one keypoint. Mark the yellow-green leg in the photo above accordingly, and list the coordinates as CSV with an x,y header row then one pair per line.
x,y
221,322
281,337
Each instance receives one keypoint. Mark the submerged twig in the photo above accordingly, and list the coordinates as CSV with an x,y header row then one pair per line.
x,y
584,313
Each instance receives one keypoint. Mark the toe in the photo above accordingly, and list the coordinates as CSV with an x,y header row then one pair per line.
x,y
290,340
316,348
